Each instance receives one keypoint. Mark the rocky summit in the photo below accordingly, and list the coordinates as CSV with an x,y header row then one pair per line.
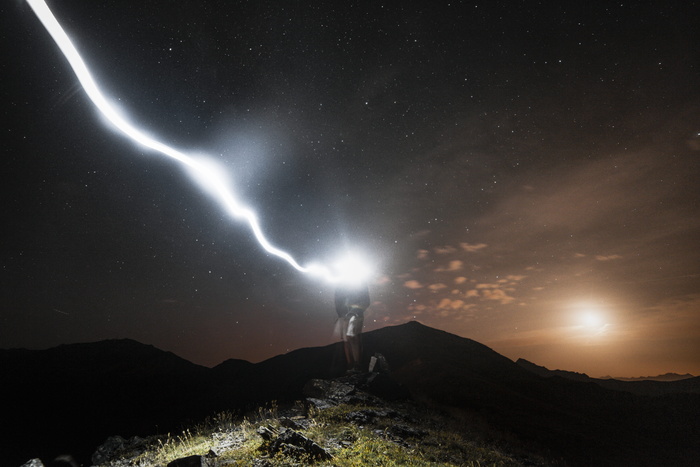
x,y
355,419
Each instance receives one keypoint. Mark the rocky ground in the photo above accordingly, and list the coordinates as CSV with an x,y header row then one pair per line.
x,y
358,419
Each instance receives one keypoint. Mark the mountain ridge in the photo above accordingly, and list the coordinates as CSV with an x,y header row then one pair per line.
x,y
642,387
130,388
664,377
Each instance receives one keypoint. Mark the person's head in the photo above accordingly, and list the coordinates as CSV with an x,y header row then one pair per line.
x,y
352,271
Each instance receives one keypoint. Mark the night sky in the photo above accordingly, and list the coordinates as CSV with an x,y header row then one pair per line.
x,y
521,173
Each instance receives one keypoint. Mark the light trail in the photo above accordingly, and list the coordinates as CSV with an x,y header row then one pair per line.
x,y
205,172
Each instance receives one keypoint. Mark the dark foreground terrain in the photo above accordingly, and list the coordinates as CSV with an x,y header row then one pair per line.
x,y
69,399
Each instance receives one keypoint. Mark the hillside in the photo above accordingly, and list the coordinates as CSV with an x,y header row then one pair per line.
x,y
71,398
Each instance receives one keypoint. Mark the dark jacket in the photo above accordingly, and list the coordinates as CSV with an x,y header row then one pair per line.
x,y
351,298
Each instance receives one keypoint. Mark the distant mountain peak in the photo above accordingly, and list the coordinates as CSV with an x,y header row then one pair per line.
x,y
547,373
664,377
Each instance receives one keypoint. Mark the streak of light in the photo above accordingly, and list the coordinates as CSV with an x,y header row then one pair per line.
x,y
209,176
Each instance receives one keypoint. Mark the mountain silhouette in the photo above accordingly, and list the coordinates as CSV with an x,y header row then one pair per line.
x,y
68,399
583,423
665,384
664,377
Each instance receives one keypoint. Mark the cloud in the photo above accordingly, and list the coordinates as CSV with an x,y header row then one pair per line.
x,y
453,309
460,280
383,280
413,284
694,143
451,304
444,250
472,293
675,317
607,258
417,308
436,287
472,248
497,295
515,278
422,254
454,265
601,203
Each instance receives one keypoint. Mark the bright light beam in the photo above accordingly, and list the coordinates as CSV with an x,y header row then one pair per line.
x,y
209,177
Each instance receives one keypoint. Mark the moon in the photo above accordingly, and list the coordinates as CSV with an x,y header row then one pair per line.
x,y
592,319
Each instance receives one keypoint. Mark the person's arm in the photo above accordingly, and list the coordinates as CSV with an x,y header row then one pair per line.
x,y
363,299
340,305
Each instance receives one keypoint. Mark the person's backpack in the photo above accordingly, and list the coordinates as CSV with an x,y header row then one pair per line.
x,y
344,309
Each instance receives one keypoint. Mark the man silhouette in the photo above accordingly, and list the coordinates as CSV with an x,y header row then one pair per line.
x,y
351,301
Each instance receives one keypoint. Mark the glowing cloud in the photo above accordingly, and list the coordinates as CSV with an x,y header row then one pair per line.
x,y
208,175
473,248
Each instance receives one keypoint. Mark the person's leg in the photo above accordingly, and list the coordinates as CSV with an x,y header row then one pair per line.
x,y
347,349
347,345
356,349
354,333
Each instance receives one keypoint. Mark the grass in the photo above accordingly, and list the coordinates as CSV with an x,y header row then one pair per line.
x,y
438,441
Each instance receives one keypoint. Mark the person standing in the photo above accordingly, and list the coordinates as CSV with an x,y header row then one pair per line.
x,y
351,301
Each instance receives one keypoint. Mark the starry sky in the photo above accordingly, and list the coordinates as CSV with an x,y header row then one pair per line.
x,y
520,173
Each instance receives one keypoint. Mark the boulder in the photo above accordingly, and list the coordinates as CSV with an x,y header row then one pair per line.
x,y
116,447
107,450
291,443
378,364
33,463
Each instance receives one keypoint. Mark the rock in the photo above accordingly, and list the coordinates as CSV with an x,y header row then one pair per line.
x,y
384,386
33,463
358,418
378,364
293,444
116,447
320,404
106,450
191,461
266,432
288,423
405,432
224,441
327,389
66,459
364,416
355,389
